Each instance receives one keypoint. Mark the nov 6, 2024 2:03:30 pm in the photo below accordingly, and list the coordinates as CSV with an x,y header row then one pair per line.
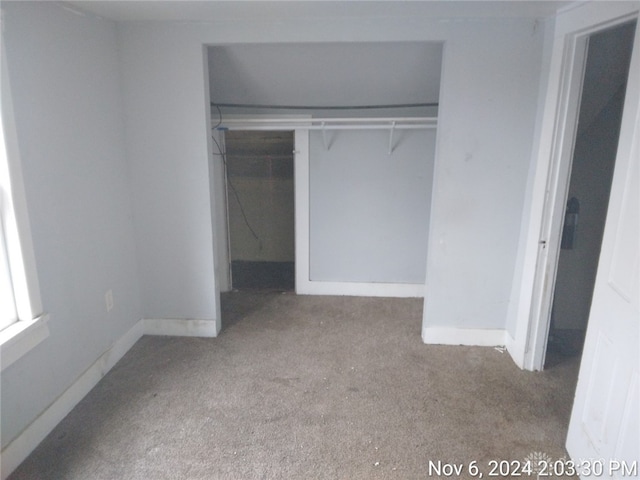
x,y
536,465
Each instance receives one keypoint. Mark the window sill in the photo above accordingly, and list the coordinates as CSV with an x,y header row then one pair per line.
x,y
18,339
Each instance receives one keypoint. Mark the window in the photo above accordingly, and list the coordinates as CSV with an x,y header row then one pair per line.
x,y
23,325
8,313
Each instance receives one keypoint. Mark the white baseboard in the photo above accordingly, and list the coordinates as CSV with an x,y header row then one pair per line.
x,y
181,327
515,349
464,336
356,289
20,448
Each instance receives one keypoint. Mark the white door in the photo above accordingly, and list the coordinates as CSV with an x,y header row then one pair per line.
x,y
604,432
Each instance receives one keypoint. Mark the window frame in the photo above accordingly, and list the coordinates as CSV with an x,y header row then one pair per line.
x,y
7,296
31,326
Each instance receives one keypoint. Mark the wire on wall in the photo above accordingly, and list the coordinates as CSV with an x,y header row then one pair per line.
x,y
223,154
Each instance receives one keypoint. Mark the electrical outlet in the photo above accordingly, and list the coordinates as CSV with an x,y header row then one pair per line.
x,y
108,300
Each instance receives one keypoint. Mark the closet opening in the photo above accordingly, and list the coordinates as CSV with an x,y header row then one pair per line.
x,y
260,209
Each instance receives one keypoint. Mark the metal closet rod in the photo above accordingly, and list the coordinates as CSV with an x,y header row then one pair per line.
x,y
384,123
327,127
323,107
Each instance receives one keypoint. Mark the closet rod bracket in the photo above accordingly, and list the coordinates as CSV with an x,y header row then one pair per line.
x,y
324,136
391,132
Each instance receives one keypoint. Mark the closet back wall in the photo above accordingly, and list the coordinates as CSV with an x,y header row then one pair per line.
x,y
370,210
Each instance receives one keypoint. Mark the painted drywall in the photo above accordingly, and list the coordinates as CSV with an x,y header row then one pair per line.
x,y
328,74
518,308
488,105
268,205
369,210
260,195
64,74
166,119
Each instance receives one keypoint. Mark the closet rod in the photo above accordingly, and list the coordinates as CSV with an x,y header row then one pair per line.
x,y
323,107
334,120
386,123
325,127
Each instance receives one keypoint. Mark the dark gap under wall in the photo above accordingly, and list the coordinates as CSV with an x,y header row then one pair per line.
x,y
263,275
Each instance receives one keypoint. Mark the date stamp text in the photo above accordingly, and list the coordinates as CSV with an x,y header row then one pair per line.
x,y
537,465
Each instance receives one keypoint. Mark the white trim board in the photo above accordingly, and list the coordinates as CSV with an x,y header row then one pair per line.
x,y
515,349
22,446
17,339
572,26
178,327
464,336
303,285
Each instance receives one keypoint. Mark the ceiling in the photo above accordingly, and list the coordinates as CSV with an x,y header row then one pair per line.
x,y
336,74
265,10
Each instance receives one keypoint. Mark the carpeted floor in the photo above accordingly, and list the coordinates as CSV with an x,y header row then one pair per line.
x,y
303,387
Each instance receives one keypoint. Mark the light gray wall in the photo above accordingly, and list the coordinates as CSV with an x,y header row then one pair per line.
x,y
68,102
488,104
269,207
167,135
64,74
328,73
517,290
261,195
369,210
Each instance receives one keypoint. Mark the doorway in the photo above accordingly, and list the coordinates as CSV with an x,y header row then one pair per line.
x,y
260,209
604,81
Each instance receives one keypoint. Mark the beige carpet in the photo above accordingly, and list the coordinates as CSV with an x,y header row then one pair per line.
x,y
303,387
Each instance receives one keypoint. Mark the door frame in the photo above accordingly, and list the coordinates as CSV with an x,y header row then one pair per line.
x,y
301,201
604,417
551,173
